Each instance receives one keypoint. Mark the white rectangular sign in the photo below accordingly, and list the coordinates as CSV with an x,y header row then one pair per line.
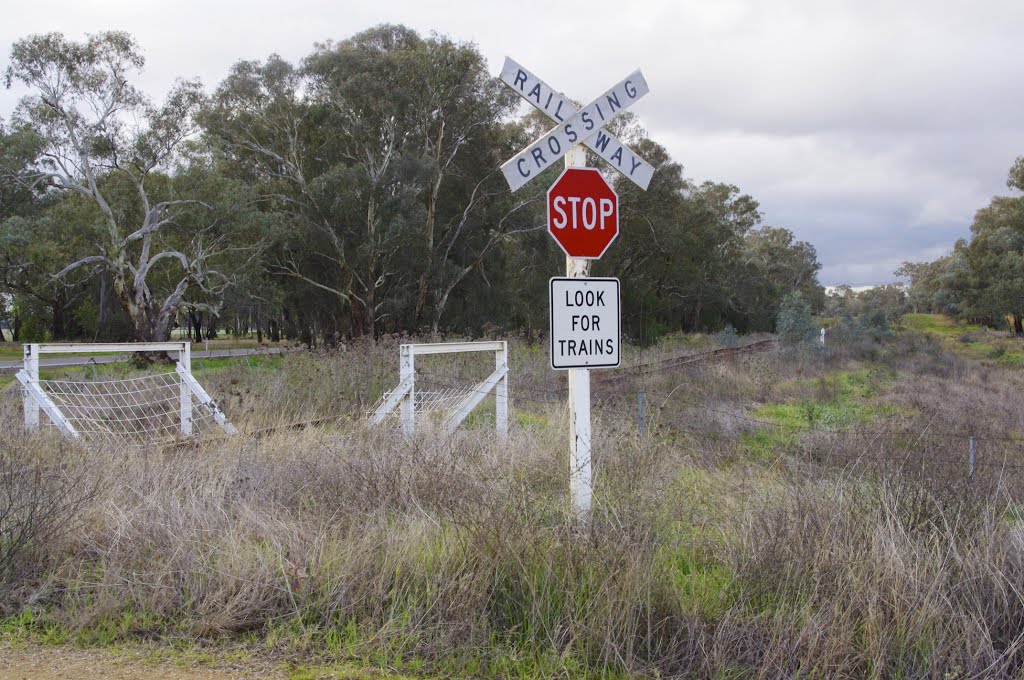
x,y
585,328
586,122
558,108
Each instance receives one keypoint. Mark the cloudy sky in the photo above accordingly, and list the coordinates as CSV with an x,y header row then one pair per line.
x,y
872,129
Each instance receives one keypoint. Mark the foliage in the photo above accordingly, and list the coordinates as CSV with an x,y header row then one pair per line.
x,y
785,514
795,324
982,280
352,193
102,140
40,500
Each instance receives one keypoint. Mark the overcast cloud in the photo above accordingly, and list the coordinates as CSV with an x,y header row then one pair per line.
x,y
872,129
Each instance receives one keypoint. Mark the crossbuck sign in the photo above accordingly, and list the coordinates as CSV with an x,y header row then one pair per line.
x,y
575,126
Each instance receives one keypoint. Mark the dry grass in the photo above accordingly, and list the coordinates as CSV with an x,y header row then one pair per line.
x,y
847,544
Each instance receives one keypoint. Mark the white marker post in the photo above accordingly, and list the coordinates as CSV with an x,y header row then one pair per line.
x,y
31,407
581,485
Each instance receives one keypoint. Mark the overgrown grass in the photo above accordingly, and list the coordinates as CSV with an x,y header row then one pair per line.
x,y
937,324
970,341
804,513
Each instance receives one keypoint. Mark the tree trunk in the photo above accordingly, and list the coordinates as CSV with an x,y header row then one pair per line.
x,y
697,309
1018,325
16,331
195,324
57,328
424,286
371,305
101,320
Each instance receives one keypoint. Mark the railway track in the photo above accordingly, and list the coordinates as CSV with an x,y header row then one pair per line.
x,y
671,363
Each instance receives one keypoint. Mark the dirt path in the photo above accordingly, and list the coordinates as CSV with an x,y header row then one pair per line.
x,y
31,662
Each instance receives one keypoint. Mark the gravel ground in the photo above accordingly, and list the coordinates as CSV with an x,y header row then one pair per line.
x,y
31,662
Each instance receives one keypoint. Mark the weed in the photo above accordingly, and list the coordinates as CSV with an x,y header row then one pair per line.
x,y
782,514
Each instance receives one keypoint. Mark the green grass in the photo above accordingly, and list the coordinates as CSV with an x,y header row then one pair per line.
x,y
969,341
765,445
119,636
937,324
841,402
1014,359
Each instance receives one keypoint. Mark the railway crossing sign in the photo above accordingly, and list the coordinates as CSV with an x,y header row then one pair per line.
x,y
583,217
583,213
575,126
584,322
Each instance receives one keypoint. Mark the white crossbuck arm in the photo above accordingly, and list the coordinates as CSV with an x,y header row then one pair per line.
x,y
576,129
558,108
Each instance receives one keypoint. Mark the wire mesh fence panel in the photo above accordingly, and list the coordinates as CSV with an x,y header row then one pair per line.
x,y
133,409
138,410
433,404
423,395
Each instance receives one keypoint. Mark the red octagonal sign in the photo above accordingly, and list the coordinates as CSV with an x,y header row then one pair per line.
x,y
583,213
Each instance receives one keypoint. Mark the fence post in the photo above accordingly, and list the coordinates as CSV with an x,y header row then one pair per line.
x,y
185,362
407,371
972,444
640,410
501,391
31,365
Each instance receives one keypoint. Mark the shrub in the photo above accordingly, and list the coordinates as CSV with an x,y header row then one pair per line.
x,y
795,324
727,337
40,500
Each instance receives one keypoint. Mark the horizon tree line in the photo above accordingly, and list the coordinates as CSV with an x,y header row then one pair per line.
x,y
354,193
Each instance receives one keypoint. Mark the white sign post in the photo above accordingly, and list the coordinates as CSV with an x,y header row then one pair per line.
x,y
578,129
581,485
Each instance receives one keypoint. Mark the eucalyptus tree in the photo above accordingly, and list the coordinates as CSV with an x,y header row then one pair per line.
x,y
653,240
362,91
266,132
772,264
982,279
458,108
381,151
101,134
995,257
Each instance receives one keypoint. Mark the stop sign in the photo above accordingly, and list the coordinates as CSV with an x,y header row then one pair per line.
x,y
583,213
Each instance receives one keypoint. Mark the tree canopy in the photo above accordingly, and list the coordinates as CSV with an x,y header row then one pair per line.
x,y
982,279
355,192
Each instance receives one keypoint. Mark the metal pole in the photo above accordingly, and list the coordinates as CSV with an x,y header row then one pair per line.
x,y
972,444
580,480
31,364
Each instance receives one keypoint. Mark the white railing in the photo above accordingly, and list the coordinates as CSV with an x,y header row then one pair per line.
x,y
141,407
404,396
